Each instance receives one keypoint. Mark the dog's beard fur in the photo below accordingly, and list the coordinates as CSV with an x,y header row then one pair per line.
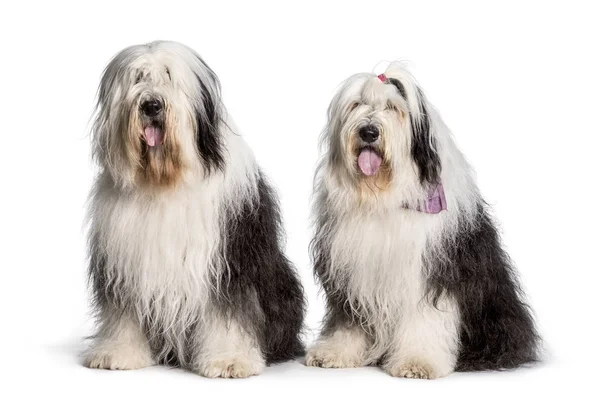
x,y
367,185
160,165
130,158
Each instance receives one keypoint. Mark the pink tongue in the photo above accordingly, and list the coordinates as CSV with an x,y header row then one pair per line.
x,y
153,135
369,162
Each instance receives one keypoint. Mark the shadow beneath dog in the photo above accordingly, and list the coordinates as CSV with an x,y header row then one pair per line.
x,y
69,350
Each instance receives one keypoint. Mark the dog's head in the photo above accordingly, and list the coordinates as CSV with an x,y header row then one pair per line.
x,y
158,116
380,135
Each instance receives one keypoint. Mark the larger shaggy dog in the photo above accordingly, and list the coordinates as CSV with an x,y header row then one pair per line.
x,y
186,264
409,258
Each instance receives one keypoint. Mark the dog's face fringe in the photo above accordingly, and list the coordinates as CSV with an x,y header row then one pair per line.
x,y
399,148
158,116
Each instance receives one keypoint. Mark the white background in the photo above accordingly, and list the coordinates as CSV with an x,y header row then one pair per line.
x,y
517,82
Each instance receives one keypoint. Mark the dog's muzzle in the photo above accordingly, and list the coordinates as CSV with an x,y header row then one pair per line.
x,y
369,157
152,109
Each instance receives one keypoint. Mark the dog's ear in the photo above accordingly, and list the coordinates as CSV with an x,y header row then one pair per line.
x,y
423,144
209,122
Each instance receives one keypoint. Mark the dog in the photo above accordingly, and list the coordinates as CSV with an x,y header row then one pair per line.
x,y
185,236
408,256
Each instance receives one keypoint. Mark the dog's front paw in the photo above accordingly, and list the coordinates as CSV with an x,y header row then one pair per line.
x,y
231,367
413,369
325,357
121,357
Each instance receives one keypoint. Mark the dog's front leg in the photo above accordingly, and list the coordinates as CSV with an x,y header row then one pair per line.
x,y
120,343
425,343
346,347
226,349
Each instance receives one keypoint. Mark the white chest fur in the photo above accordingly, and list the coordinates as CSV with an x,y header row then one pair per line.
x,y
379,257
159,247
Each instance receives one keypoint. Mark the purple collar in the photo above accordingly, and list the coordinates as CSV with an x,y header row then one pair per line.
x,y
435,203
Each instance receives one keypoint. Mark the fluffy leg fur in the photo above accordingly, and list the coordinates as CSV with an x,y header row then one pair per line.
x,y
227,350
425,344
344,348
343,342
119,344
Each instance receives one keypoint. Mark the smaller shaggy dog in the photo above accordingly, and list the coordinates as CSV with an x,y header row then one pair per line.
x,y
410,260
185,257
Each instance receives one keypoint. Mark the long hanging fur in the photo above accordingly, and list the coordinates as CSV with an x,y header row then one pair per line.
x,y
186,264
420,293
257,269
497,329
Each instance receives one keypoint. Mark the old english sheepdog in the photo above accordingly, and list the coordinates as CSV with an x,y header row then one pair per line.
x,y
411,263
185,240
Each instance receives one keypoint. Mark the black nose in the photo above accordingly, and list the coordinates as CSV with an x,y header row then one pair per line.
x,y
369,133
151,107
